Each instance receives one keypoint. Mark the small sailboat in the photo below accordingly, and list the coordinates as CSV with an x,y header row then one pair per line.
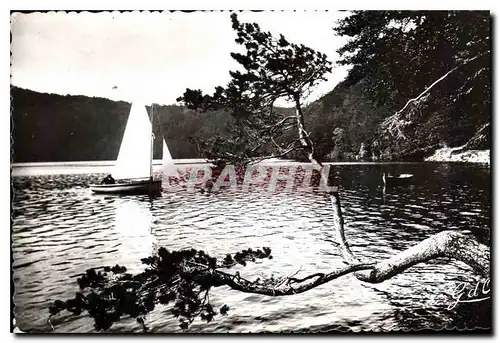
x,y
133,170
396,180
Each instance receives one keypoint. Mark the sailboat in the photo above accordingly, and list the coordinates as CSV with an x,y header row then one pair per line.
x,y
133,170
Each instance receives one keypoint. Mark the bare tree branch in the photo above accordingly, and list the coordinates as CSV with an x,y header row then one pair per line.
x,y
281,154
292,285
279,122
449,244
395,122
275,144
187,276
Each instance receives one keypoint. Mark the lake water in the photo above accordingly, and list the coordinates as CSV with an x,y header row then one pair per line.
x,y
60,229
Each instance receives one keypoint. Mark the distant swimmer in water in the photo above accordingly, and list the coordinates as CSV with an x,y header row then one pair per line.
x,y
108,180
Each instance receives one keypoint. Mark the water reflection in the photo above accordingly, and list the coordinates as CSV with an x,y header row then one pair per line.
x,y
134,224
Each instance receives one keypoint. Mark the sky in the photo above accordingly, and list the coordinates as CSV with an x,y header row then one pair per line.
x,y
150,56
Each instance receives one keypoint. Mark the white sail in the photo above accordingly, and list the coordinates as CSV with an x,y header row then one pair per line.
x,y
168,162
135,155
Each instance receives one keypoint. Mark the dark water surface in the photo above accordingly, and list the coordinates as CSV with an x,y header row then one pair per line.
x,y
60,229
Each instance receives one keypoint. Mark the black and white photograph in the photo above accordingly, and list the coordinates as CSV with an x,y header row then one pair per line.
x,y
250,171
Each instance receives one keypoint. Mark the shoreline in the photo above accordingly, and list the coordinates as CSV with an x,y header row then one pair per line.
x,y
103,167
104,163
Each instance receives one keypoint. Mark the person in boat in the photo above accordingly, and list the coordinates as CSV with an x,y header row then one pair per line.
x,y
209,185
108,180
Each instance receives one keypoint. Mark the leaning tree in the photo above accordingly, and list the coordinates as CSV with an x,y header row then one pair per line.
x,y
182,280
274,68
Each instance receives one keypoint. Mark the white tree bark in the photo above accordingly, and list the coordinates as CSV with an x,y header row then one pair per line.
x,y
396,121
450,244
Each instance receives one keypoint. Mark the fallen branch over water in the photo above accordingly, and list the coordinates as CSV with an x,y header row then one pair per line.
x,y
289,285
449,244
183,279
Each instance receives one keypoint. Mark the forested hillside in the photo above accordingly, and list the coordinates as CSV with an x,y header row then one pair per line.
x,y
418,81
430,69
50,127
343,120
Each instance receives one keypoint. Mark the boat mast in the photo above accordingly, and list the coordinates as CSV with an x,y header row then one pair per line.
x,y
152,144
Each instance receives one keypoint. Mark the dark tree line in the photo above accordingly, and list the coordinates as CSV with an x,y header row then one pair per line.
x,y
430,70
418,80
441,59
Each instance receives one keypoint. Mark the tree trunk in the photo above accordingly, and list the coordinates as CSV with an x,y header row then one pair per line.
x,y
306,142
448,244
451,244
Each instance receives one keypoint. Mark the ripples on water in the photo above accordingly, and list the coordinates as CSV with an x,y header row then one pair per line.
x,y
60,229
